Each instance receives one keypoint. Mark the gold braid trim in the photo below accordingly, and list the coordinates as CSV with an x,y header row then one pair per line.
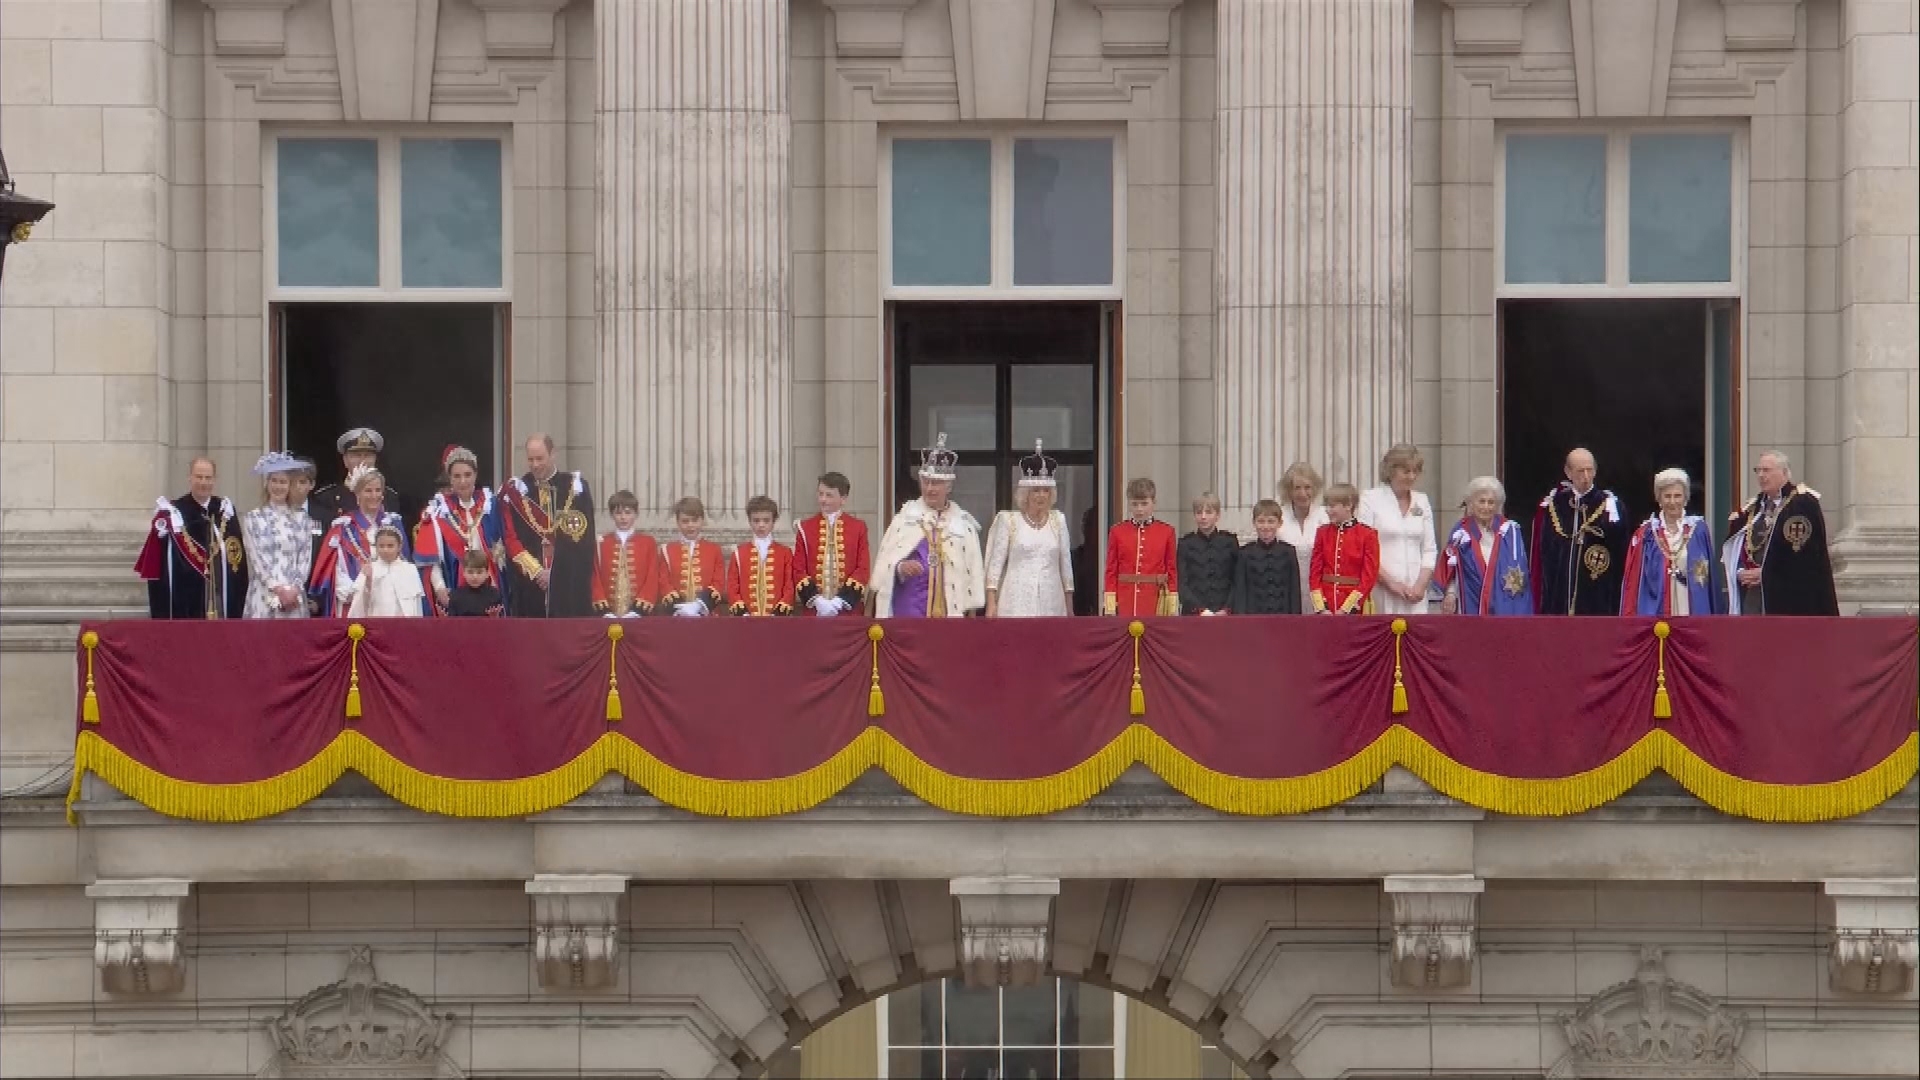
x,y
614,752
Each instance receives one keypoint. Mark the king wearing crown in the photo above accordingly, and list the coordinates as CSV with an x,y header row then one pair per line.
x,y
929,563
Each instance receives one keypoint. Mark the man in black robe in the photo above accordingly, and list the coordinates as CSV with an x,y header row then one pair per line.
x,y
550,539
1776,552
360,446
194,561
1204,559
1580,539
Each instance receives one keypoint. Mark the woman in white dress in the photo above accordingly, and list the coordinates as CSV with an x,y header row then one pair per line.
x,y
279,543
1404,519
1029,554
1301,514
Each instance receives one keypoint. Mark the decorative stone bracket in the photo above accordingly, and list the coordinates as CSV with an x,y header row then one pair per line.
x,y
576,929
250,27
136,935
1136,27
1434,916
1761,24
1488,26
518,28
1004,923
870,27
1875,925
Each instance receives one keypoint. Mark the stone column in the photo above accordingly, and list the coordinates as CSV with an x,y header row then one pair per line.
x,y
692,253
1313,248
1879,368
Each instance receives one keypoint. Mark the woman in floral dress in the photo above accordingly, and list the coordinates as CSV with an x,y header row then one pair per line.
x,y
278,538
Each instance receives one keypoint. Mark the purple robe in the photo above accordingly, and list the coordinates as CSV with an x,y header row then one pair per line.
x,y
910,594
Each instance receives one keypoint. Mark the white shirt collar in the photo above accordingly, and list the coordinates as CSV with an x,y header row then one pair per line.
x,y
830,518
761,544
622,534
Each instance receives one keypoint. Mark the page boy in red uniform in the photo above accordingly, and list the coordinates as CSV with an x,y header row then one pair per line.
x,y
760,574
830,554
693,575
1346,558
626,579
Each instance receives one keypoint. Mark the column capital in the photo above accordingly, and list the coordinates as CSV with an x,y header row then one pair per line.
x,y
1488,26
136,935
250,27
870,27
1434,922
1876,934
576,929
1003,928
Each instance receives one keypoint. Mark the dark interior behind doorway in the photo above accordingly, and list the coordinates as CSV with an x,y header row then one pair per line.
x,y
420,374
1624,378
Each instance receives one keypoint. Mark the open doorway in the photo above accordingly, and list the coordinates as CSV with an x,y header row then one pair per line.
x,y
423,375
1645,384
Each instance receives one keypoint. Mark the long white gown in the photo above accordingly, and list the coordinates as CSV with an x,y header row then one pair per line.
x,y
1407,546
1030,568
1300,534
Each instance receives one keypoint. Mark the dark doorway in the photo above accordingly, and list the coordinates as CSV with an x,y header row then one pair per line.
x,y
423,375
1625,378
994,377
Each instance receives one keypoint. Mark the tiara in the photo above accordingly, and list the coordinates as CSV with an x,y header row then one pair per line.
x,y
455,454
937,462
1037,471
360,474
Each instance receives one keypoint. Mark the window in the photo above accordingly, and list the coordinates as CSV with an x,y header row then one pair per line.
x,y
388,216
1649,211
1056,1028
979,214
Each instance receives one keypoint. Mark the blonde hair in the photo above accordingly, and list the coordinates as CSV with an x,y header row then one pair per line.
x,y
1400,454
1342,493
1267,508
1206,500
1298,471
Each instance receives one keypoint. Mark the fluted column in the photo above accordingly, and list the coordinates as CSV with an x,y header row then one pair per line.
x,y
692,252
1313,250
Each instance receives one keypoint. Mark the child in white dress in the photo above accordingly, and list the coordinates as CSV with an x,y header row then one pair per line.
x,y
388,584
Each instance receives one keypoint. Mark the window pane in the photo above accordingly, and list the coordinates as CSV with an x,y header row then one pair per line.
x,y
1556,209
942,199
1086,1064
974,490
1032,1065
328,212
1073,496
1053,402
450,213
956,399
1063,212
1032,1016
973,1013
983,1064
1680,208
913,1064
1087,1011
913,1015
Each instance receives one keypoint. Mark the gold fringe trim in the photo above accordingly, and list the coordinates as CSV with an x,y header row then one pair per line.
x,y
994,798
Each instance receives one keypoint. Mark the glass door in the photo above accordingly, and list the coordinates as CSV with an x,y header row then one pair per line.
x,y
994,378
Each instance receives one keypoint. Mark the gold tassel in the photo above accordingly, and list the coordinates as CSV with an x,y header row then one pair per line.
x,y
354,633
1662,704
614,633
1399,687
876,701
1137,701
90,704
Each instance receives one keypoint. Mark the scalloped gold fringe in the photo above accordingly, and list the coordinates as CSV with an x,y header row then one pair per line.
x,y
614,752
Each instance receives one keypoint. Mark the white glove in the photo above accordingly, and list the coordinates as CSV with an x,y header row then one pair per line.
x,y
609,615
842,604
691,608
1209,613
825,606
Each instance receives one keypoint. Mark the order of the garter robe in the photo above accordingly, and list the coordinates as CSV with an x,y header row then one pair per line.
x,y
1489,568
1669,574
449,529
348,547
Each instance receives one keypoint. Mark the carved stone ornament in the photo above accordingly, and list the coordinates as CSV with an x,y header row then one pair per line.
x,y
1761,24
361,1026
1653,1026
576,929
519,27
870,27
1003,928
250,27
136,935
1875,941
1433,928
1136,27
1488,26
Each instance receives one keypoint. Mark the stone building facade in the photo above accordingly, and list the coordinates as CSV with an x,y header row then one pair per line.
x,y
720,246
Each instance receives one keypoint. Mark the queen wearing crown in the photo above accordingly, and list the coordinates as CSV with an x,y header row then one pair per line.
x,y
1029,555
929,563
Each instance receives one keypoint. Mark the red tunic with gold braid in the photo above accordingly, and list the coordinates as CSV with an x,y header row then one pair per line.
x,y
1344,569
695,571
626,580
831,559
757,586
1143,573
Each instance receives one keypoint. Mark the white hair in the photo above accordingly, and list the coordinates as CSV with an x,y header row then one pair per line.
x,y
1486,485
1780,459
1667,478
